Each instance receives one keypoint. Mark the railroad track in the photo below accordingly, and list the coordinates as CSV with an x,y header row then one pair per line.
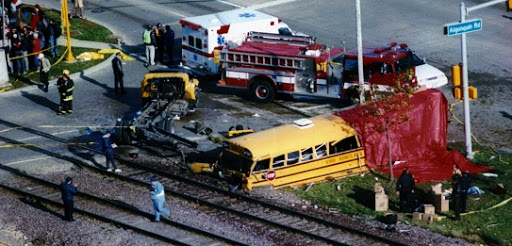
x,y
114,212
315,230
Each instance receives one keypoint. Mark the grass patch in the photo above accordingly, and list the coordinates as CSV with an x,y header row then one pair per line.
x,y
354,196
82,29
56,71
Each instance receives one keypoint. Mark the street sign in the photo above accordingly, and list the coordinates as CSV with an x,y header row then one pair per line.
x,y
464,27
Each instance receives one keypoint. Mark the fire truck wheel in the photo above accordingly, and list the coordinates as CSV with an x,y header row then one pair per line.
x,y
263,91
352,95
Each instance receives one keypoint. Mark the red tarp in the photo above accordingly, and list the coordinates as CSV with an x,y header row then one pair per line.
x,y
418,143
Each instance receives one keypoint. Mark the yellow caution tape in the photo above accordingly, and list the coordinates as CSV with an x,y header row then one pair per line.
x,y
57,62
31,54
473,136
6,244
485,209
32,145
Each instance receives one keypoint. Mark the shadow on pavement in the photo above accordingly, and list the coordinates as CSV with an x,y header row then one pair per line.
x,y
43,101
506,115
131,98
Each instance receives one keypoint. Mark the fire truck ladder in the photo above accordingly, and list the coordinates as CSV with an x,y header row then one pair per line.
x,y
233,58
279,38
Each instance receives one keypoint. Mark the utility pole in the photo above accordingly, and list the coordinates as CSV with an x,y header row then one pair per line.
x,y
461,28
360,73
467,120
65,20
3,24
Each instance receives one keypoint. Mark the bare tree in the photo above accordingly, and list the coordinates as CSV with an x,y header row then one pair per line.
x,y
387,110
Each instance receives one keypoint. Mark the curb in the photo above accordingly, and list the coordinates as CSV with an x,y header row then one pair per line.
x,y
73,76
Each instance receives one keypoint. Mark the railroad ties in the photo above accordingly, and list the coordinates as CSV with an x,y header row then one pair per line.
x,y
246,211
108,211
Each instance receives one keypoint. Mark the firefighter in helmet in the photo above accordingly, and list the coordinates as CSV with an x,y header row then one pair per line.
x,y
66,86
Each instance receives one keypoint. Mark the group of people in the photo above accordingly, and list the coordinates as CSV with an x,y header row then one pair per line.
x,y
156,191
28,32
157,42
461,181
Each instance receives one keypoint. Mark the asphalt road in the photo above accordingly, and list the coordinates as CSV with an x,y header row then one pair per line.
x,y
417,23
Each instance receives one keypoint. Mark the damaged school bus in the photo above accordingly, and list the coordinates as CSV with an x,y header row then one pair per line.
x,y
321,148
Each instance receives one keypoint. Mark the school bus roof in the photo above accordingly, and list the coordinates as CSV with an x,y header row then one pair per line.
x,y
290,137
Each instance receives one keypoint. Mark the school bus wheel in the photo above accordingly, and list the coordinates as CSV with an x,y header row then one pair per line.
x,y
262,91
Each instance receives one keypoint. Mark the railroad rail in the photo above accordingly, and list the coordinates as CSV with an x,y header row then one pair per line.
x,y
118,213
283,218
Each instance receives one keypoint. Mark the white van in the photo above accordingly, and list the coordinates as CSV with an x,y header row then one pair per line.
x,y
204,34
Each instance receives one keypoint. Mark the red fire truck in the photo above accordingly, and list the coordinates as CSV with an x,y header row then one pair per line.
x,y
383,67
267,64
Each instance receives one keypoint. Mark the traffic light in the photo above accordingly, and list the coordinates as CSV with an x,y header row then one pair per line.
x,y
457,75
216,56
509,5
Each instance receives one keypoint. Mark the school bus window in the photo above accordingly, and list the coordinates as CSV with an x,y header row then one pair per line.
x,y
293,158
278,161
321,150
199,43
343,145
262,165
306,154
191,41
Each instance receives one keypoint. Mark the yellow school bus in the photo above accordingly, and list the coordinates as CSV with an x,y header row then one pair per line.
x,y
321,148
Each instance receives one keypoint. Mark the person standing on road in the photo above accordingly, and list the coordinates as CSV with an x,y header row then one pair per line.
x,y
66,87
117,67
68,190
44,69
465,183
149,40
159,36
79,9
36,49
61,86
108,147
158,198
405,188
169,43
456,193
54,32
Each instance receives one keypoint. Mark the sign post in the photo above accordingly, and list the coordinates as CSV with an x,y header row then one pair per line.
x,y
461,29
467,122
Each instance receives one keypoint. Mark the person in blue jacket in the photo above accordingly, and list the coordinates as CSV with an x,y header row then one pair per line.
x,y
68,190
109,152
158,198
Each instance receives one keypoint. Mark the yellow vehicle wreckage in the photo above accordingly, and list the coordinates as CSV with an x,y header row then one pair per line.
x,y
309,150
166,95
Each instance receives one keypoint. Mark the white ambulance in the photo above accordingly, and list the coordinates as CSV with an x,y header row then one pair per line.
x,y
204,34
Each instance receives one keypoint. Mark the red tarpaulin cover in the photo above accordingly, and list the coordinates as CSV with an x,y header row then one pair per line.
x,y
418,143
